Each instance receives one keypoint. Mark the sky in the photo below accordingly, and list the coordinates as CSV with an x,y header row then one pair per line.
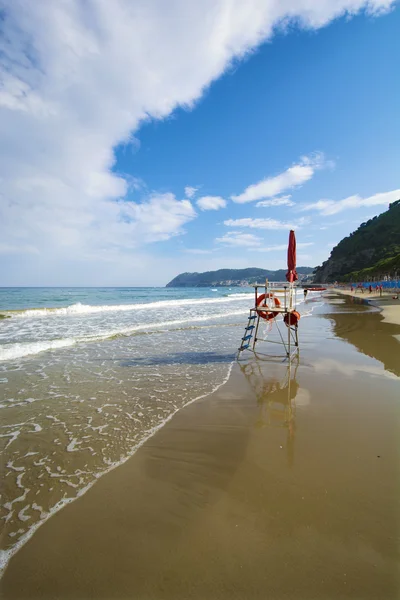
x,y
140,139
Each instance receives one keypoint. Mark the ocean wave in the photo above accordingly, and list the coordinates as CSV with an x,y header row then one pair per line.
x,y
79,309
240,295
21,350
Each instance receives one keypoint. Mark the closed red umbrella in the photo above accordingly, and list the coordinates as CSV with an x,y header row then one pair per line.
x,y
291,275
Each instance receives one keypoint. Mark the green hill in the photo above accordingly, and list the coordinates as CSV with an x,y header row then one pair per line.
x,y
371,250
386,266
232,277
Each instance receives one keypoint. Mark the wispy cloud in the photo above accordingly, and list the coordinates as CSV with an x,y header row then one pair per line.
x,y
332,207
198,251
304,257
18,249
264,223
280,201
190,191
293,176
211,203
280,247
237,238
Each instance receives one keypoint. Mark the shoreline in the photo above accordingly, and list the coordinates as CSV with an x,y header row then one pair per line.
x,y
7,555
221,504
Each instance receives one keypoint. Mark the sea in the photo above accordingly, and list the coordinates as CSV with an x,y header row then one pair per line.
x,y
87,375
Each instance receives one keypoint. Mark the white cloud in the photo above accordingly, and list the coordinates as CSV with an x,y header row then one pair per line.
x,y
21,249
211,203
292,177
157,219
78,78
276,248
197,251
236,238
332,207
264,223
280,247
280,201
190,191
304,257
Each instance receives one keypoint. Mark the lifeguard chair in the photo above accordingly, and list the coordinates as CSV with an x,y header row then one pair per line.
x,y
272,303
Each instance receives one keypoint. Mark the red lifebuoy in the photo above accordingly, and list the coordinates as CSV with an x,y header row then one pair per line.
x,y
268,315
292,318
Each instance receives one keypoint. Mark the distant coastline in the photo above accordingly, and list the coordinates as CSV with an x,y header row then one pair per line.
x,y
235,277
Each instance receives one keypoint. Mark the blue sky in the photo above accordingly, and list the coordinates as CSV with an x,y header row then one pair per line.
x,y
138,144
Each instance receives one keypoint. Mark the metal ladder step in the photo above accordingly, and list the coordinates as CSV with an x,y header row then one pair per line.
x,y
248,336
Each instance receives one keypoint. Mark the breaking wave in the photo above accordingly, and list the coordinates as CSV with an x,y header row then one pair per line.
x,y
80,309
20,350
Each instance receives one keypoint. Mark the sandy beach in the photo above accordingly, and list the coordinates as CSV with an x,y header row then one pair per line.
x,y
282,484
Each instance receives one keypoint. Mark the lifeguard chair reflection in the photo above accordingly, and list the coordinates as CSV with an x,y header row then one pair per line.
x,y
276,398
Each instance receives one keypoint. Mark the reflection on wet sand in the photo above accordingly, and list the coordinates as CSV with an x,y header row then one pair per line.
x,y
370,335
276,397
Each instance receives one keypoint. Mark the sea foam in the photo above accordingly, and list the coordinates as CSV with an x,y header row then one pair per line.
x,y
79,309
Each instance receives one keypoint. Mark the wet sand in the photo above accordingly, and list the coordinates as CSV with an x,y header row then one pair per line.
x,y
387,303
282,484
